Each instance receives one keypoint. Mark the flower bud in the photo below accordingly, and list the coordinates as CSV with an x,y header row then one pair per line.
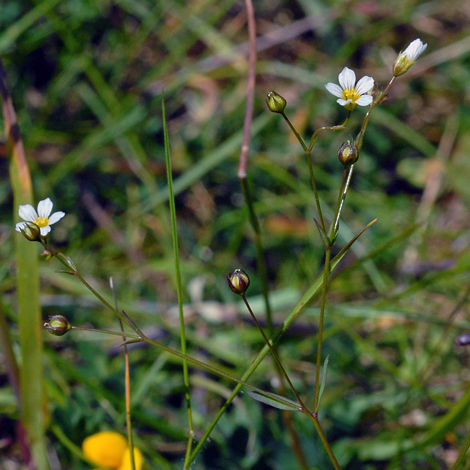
x,y
348,154
408,57
276,103
47,254
58,325
238,281
401,65
31,232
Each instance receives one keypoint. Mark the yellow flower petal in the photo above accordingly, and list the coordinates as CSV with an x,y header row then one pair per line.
x,y
105,448
126,460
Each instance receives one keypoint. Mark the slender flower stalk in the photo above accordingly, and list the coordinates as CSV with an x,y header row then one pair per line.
x,y
273,352
308,154
239,282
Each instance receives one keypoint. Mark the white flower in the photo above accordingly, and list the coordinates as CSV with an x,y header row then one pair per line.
x,y
42,218
408,57
349,93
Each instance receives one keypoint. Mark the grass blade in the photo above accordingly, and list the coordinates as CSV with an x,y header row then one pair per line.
x,y
29,312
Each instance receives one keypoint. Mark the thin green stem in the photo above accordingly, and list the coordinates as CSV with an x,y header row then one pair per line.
x,y
314,187
107,332
327,128
65,260
179,288
308,154
297,135
260,260
263,276
197,363
273,352
127,384
308,151
127,380
101,298
303,301
214,370
326,274
376,102
326,444
347,174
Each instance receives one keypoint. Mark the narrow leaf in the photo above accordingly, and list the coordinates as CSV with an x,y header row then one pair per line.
x,y
323,235
129,341
275,401
32,407
323,381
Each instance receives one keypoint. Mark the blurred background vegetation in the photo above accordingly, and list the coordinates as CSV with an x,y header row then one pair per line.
x,y
86,78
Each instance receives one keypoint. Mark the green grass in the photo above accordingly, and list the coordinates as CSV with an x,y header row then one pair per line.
x,y
86,80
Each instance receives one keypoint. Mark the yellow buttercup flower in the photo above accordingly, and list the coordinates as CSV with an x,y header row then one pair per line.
x,y
126,459
109,449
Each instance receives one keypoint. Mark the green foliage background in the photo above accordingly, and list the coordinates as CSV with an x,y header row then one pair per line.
x,y
86,77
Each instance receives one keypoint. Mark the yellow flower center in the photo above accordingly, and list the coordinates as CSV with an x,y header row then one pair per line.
x,y
351,94
42,221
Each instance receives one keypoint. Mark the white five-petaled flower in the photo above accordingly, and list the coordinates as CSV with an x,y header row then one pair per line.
x,y
408,57
350,93
42,218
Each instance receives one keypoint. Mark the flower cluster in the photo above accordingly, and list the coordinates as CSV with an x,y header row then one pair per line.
x,y
352,94
109,449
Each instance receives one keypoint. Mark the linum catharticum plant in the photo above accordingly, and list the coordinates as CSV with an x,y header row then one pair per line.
x,y
36,227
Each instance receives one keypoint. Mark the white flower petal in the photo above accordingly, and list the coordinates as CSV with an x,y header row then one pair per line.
x,y
415,49
55,217
364,85
20,226
27,212
45,230
347,79
45,208
343,102
364,100
334,89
